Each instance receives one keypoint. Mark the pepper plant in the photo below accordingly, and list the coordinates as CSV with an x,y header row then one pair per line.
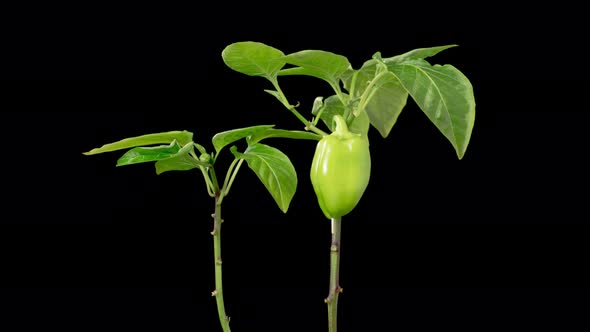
x,y
372,95
180,153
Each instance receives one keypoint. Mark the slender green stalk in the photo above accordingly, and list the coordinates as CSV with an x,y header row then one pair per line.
x,y
207,182
285,102
218,292
224,188
332,299
233,177
308,125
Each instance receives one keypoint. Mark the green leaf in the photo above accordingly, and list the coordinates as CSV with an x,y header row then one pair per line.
x,y
147,154
387,100
444,94
385,96
331,106
182,137
321,64
275,171
181,161
167,157
347,78
282,133
417,54
254,59
227,137
360,124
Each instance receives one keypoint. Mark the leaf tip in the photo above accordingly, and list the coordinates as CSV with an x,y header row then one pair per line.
x,y
91,152
285,205
460,154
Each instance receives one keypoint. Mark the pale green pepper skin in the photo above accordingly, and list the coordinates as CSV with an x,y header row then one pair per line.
x,y
340,170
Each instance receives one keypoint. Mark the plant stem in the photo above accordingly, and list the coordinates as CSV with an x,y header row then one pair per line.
x,y
283,99
285,103
218,292
332,299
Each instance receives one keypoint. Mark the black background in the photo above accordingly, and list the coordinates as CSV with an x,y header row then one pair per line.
x,y
496,241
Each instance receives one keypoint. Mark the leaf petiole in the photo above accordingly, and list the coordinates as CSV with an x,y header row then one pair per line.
x,y
285,102
233,177
368,93
208,183
214,183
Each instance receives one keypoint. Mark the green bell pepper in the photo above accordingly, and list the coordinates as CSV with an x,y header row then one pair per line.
x,y
340,170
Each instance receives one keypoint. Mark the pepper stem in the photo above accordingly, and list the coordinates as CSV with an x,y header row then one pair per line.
x,y
341,129
335,289
218,292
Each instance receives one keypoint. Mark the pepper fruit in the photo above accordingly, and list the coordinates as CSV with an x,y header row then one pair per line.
x,y
340,170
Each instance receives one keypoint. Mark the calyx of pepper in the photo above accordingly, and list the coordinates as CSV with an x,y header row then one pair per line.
x,y
341,129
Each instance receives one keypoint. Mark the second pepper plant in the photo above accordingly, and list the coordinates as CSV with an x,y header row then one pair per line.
x,y
180,153
372,95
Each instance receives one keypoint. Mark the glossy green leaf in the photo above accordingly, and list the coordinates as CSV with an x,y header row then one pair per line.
x,y
282,133
444,94
356,81
385,96
254,59
331,106
387,99
182,137
227,137
417,54
181,161
275,171
148,154
360,124
321,64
